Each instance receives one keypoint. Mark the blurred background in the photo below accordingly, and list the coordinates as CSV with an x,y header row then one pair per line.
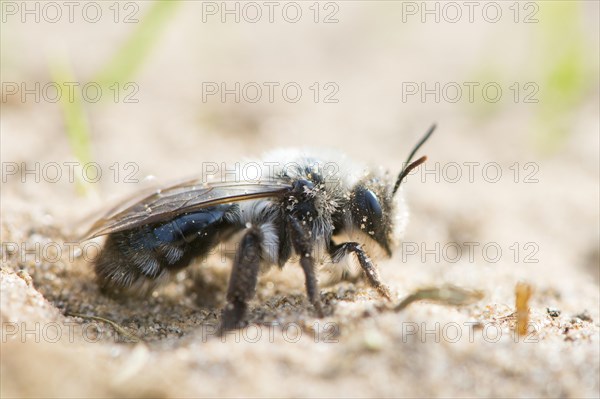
x,y
155,88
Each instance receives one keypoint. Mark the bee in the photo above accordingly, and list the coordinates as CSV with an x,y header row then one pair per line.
x,y
304,208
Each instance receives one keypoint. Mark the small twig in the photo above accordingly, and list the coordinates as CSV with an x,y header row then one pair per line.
x,y
447,295
523,293
119,329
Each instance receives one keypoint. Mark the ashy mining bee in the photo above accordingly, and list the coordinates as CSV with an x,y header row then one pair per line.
x,y
296,208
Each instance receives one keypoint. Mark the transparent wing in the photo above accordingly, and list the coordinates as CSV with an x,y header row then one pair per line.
x,y
162,204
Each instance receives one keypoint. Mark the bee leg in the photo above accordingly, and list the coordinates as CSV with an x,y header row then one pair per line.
x,y
339,251
242,283
303,248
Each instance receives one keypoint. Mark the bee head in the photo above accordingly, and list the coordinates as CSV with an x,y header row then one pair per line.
x,y
373,207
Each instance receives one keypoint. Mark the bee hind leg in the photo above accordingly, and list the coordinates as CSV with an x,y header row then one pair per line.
x,y
242,283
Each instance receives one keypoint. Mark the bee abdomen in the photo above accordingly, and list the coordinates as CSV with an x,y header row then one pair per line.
x,y
148,252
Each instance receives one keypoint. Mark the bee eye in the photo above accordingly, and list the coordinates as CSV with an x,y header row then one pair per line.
x,y
372,204
367,205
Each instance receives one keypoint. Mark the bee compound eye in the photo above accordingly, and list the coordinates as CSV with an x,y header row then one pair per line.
x,y
372,204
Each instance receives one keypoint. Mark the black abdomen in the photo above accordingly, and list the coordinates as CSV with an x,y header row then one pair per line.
x,y
149,251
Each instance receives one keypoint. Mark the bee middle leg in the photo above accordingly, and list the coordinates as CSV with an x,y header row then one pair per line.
x,y
303,247
337,252
244,276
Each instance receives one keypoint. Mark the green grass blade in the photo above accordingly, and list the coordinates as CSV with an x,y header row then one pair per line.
x,y
131,55
75,117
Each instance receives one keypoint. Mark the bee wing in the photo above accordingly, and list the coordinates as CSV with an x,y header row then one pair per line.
x,y
188,196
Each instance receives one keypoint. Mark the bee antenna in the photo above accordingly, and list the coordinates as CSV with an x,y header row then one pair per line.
x,y
410,166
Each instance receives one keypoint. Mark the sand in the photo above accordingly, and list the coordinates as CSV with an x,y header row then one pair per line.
x,y
62,338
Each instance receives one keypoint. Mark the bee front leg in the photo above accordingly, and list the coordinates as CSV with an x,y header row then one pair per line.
x,y
303,247
244,276
339,251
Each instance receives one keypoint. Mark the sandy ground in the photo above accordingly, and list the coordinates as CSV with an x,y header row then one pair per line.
x,y
544,220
